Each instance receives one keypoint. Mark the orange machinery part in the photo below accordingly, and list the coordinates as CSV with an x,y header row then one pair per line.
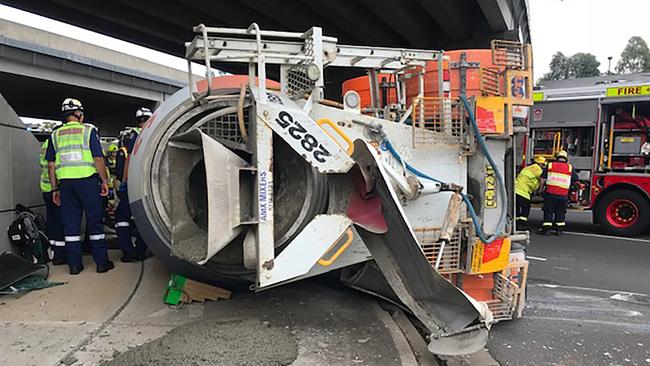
x,y
478,287
361,85
231,82
473,84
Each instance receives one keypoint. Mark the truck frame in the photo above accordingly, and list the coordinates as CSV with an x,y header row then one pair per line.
x,y
244,179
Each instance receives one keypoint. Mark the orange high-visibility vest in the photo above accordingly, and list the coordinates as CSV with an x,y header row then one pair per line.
x,y
558,178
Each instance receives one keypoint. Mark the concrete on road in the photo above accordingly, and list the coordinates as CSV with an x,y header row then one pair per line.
x,y
97,317
587,304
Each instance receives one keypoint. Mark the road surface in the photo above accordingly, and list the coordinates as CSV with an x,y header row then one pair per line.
x,y
588,301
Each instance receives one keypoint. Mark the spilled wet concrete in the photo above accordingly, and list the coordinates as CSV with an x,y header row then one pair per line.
x,y
214,342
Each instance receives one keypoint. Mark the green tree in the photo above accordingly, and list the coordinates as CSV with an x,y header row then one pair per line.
x,y
635,58
559,68
583,65
579,65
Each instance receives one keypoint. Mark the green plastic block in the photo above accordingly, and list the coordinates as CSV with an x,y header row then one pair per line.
x,y
174,292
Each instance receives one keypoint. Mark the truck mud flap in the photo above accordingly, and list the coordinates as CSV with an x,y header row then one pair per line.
x,y
457,324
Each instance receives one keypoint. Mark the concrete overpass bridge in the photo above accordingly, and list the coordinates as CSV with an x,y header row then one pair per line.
x,y
424,24
38,69
165,25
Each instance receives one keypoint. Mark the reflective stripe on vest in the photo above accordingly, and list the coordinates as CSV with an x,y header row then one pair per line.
x,y
74,160
558,178
45,176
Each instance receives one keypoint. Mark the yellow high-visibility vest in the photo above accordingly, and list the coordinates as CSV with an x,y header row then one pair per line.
x,y
45,176
74,160
527,181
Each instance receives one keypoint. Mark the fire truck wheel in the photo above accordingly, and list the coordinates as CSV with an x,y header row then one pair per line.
x,y
624,212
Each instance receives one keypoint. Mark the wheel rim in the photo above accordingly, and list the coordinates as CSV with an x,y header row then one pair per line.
x,y
622,213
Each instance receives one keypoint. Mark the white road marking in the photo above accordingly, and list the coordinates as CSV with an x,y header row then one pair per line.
x,y
633,298
562,268
536,258
591,321
607,236
551,285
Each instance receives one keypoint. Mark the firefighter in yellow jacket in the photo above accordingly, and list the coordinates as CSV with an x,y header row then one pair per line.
x,y
526,183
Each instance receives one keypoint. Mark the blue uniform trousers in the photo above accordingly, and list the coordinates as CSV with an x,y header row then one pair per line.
x,y
554,210
54,228
123,228
79,196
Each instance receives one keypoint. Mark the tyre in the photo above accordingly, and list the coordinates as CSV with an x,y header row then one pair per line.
x,y
623,212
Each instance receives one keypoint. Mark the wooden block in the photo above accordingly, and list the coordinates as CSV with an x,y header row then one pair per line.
x,y
200,292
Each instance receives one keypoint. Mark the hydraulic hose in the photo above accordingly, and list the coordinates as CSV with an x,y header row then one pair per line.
x,y
500,181
386,145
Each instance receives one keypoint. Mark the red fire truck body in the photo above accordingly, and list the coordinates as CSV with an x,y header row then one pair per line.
x,y
604,125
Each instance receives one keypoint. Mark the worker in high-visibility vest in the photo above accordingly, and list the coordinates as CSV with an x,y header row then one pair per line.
x,y
78,177
130,252
111,166
111,157
527,182
53,226
557,179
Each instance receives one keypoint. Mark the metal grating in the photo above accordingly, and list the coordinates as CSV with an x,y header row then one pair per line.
x,y
490,81
500,310
508,53
437,121
451,256
509,292
298,82
225,129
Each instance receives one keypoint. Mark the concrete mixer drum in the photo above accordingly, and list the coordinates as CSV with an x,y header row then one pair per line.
x,y
299,193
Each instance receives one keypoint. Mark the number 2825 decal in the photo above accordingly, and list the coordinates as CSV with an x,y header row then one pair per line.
x,y
307,141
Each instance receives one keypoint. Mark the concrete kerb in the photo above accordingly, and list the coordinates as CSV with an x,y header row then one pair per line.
x,y
420,353
406,354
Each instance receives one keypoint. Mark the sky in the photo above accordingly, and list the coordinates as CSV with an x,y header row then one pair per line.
x,y
600,27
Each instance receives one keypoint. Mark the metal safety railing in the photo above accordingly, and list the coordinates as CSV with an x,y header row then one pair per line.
x,y
509,54
302,56
490,81
509,291
438,121
451,259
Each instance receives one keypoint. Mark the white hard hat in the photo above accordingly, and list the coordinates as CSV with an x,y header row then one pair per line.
x,y
71,104
143,113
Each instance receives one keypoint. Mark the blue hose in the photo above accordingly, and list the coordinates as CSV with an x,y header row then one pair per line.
x,y
386,145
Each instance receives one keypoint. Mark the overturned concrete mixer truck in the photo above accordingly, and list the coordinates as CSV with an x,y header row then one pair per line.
x,y
405,187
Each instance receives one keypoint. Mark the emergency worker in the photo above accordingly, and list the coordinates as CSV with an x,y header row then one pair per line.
x,y
111,158
130,252
527,182
111,165
557,179
53,228
78,177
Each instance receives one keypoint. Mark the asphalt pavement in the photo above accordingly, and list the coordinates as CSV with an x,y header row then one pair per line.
x,y
588,301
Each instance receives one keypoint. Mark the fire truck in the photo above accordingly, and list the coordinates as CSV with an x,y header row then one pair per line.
x,y
603,123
